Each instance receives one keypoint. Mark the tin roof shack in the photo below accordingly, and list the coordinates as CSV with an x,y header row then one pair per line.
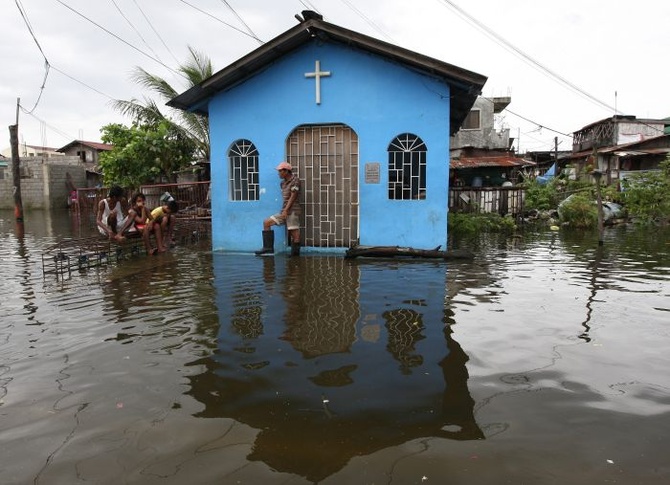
x,y
363,124
480,167
480,154
638,156
591,147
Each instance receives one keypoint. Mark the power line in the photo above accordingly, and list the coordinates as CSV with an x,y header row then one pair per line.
x,y
241,20
309,5
253,36
46,61
368,20
30,28
61,133
134,29
155,31
83,84
509,46
120,39
537,124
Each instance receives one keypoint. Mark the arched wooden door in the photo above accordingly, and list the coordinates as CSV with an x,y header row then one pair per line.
x,y
326,160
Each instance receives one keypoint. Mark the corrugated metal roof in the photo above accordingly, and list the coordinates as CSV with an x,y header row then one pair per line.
x,y
91,144
639,153
465,85
631,149
498,161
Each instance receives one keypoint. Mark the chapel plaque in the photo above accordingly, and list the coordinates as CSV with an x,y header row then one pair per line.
x,y
372,173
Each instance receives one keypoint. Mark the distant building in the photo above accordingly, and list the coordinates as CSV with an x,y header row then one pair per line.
x,y
87,151
618,143
478,129
89,154
33,151
480,155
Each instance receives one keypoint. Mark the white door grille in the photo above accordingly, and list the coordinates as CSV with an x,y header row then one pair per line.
x,y
326,159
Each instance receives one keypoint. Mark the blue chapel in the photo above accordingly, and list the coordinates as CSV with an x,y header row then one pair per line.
x,y
364,123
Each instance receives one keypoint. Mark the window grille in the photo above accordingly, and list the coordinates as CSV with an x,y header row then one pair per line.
x,y
407,168
243,158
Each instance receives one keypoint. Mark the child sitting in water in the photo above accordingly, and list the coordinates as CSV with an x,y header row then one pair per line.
x,y
138,217
161,222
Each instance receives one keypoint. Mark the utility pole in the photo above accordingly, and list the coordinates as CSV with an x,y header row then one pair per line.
x,y
16,170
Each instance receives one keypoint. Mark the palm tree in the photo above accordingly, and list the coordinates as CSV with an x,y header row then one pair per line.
x,y
194,126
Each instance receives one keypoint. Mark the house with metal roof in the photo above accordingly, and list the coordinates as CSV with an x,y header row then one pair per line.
x,y
87,151
617,145
364,123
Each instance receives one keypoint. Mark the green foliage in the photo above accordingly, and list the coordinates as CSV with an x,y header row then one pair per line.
x,y
465,223
579,210
541,197
143,154
146,112
646,196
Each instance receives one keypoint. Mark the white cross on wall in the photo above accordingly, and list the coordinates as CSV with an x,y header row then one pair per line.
x,y
318,74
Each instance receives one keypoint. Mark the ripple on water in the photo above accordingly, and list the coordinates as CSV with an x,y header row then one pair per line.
x,y
302,364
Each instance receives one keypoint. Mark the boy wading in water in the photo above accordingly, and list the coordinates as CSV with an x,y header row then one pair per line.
x,y
289,215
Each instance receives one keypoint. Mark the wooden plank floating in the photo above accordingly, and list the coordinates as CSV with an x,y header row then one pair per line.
x,y
406,252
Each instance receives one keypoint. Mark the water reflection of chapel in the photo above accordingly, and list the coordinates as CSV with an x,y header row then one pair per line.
x,y
331,359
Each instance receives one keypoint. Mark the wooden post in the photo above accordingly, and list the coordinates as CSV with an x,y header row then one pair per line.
x,y
16,172
597,174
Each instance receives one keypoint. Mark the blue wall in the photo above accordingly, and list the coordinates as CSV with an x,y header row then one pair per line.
x,y
377,98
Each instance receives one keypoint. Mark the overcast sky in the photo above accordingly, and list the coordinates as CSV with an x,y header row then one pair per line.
x,y
564,63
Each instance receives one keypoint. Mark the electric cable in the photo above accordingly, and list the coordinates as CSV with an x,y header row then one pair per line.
x,y
369,21
23,13
219,20
515,50
120,39
241,20
155,31
132,26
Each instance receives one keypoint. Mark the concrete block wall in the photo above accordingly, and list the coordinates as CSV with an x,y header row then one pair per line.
x,y
42,182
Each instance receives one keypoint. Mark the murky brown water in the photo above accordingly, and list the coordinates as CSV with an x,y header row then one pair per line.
x,y
543,361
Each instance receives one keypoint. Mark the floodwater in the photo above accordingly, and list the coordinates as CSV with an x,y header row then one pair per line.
x,y
543,361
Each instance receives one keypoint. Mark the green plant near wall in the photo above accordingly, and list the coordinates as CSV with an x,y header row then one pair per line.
x,y
646,196
541,197
579,210
466,223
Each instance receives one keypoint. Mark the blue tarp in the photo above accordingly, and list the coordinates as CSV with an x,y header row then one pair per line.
x,y
548,175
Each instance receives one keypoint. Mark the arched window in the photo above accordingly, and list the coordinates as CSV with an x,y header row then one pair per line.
x,y
243,158
407,168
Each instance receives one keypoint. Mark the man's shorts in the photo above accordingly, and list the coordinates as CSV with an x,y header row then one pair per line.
x,y
119,225
292,221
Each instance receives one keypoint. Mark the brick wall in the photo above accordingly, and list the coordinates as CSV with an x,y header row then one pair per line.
x,y
42,182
